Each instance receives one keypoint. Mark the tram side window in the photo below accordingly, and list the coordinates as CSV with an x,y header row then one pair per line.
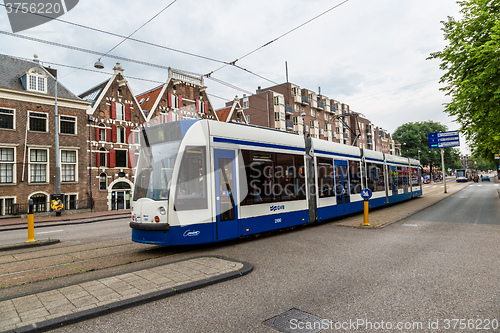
x,y
415,177
273,177
375,177
404,174
191,191
326,178
401,178
394,180
355,174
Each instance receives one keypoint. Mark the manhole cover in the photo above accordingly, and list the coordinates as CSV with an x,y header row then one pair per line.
x,y
295,320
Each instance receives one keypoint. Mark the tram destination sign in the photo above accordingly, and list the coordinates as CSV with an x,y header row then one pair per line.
x,y
443,139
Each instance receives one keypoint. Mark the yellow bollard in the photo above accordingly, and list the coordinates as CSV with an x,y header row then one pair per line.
x,y
31,222
365,217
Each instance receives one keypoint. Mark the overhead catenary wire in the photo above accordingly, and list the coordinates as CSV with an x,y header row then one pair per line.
x,y
233,63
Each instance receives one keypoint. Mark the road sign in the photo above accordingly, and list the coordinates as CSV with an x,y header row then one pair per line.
x,y
366,193
496,157
443,139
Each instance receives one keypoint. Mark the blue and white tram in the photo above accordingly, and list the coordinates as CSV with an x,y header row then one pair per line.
x,y
201,181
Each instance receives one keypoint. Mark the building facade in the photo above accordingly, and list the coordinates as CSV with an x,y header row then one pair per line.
x,y
115,119
27,139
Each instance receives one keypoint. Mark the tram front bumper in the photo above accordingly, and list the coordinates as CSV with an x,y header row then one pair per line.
x,y
150,226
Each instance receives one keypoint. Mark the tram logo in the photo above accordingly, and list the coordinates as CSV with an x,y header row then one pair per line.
x,y
275,208
191,233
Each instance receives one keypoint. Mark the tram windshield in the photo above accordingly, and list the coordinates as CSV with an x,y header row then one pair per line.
x,y
154,171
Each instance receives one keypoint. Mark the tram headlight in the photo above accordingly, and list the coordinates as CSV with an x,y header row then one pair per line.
x,y
162,210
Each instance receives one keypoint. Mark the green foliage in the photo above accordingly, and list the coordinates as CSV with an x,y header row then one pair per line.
x,y
414,138
471,62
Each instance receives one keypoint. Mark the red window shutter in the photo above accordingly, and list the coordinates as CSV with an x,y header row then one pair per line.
x,y
180,101
206,107
197,105
97,133
112,158
128,139
169,100
127,112
131,158
169,116
113,133
98,160
108,134
113,110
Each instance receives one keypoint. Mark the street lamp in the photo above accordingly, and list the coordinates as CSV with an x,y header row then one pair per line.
x,y
58,157
419,156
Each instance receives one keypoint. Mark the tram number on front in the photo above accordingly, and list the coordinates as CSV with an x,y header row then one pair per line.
x,y
277,220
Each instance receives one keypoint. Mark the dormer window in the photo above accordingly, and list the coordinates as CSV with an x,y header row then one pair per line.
x,y
35,80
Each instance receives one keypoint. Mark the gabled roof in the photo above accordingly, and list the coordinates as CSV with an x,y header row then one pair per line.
x,y
92,94
147,100
223,114
12,68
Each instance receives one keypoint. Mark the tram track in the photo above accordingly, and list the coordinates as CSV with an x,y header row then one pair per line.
x,y
23,267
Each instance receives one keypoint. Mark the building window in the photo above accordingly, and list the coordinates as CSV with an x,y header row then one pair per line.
x,y
37,121
102,132
102,157
70,201
313,113
120,134
36,80
120,111
7,205
38,165
103,181
7,165
246,103
7,118
121,158
68,166
67,125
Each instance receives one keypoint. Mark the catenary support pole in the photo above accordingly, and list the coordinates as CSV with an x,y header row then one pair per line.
x,y
442,168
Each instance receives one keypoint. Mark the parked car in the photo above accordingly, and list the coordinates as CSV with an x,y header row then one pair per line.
x,y
485,178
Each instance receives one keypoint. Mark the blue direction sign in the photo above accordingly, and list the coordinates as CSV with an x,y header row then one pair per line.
x,y
366,193
444,139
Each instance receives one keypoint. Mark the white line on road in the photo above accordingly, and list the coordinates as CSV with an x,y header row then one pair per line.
x,y
48,232
409,225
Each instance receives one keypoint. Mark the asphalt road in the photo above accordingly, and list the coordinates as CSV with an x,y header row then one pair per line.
x,y
422,273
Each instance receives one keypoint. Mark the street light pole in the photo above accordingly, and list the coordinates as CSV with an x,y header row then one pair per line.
x,y
58,157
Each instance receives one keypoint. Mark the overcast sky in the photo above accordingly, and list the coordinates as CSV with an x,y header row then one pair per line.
x,y
368,54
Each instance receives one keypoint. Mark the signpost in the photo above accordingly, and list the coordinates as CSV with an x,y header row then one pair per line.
x,y
443,140
366,194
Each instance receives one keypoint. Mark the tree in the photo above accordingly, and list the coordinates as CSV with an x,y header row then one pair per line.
x,y
471,62
414,138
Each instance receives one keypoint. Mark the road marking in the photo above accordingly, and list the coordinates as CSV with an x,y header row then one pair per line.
x,y
409,225
48,232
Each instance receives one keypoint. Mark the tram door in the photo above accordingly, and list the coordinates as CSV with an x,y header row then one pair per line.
x,y
342,186
225,194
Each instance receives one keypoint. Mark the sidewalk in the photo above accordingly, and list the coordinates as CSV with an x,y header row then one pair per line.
x,y
54,308
40,221
381,217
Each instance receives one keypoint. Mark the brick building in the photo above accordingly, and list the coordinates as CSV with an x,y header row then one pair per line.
x,y
115,120
27,138
181,97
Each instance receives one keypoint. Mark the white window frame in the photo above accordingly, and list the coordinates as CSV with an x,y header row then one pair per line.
x,y
2,206
102,129
36,80
13,117
75,119
30,163
35,115
120,111
66,200
136,134
75,164
14,169
246,103
121,134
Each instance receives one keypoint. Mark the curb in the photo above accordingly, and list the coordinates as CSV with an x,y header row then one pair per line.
x,y
28,245
138,300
